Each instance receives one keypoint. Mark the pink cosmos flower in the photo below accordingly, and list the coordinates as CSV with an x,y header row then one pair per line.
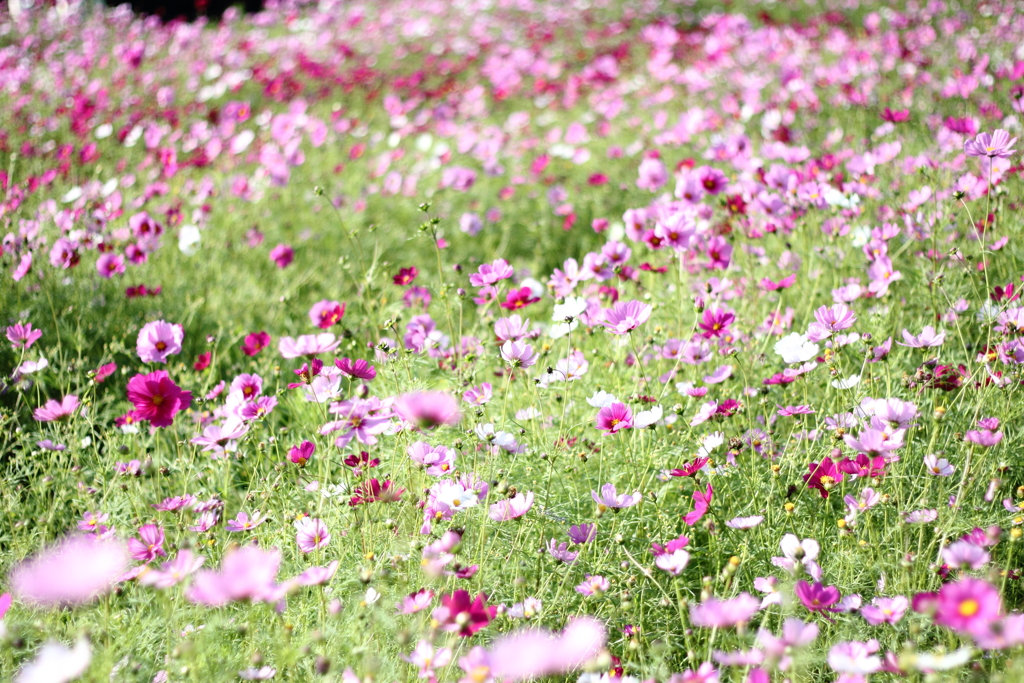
x,y
243,522
158,340
247,573
614,418
593,585
610,498
582,533
855,657
53,411
626,316
885,610
149,545
489,273
928,337
308,345
438,460
561,552
325,314
282,255
701,503
312,535
511,508
173,572
427,658
534,653
715,613
74,571
744,522
998,144
937,466
415,602
157,398
983,437
715,322
518,354
110,264
674,562
428,409
965,554
23,336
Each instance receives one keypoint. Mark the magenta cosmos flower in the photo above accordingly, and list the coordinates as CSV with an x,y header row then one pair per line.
x,y
463,615
282,255
158,340
817,597
148,545
428,409
73,572
326,313
614,418
998,144
52,410
626,316
511,508
157,398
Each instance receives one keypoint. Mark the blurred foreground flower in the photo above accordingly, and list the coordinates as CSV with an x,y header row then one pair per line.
x,y
74,571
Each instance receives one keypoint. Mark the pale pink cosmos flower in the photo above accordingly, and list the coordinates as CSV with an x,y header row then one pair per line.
x,y
534,653
312,534
855,657
415,602
998,144
610,498
173,572
593,585
428,409
885,610
744,522
626,316
55,663
937,466
965,554
715,613
308,345
427,658
511,508
518,354
53,411
928,338
489,273
74,571
243,522
674,563
157,340
247,573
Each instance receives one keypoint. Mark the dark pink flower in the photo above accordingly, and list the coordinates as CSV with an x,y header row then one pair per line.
x,y
149,545
301,454
157,398
459,614
614,418
325,314
357,369
282,255
255,342
817,597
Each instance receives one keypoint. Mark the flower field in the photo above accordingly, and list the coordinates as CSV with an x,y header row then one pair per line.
x,y
494,340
